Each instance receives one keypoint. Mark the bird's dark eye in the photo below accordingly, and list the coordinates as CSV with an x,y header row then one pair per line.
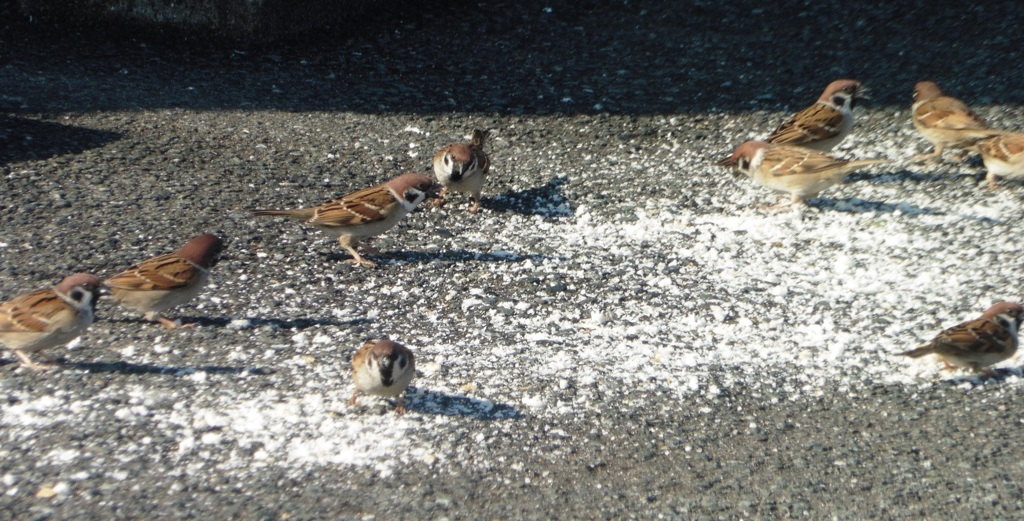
x,y
401,362
744,163
447,160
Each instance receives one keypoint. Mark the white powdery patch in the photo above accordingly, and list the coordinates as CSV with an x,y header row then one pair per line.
x,y
828,296
35,412
655,298
309,430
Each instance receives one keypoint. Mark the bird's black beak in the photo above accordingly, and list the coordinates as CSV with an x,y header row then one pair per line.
x,y
729,162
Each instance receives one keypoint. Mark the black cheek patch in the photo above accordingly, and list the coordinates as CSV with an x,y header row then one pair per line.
x,y
411,195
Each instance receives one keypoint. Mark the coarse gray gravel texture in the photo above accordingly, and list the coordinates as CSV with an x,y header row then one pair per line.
x,y
621,332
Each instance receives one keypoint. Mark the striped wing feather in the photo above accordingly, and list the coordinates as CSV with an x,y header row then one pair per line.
x,y
949,113
362,207
159,273
815,123
797,161
1003,148
32,312
976,337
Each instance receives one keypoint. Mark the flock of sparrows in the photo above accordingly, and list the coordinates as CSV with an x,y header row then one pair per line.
x,y
791,159
52,317
47,318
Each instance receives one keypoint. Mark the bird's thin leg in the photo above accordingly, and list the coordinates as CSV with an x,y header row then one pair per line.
x,y
928,157
27,362
350,244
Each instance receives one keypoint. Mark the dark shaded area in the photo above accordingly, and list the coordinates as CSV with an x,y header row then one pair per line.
x,y
245,22
255,322
857,205
434,402
537,58
453,256
123,367
23,139
895,176
548,200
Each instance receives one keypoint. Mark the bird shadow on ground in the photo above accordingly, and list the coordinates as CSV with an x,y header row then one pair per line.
x,y
895,177
277,323
250,322
438,403
123,367
858,205
420,257
23,139
1000,374
547,200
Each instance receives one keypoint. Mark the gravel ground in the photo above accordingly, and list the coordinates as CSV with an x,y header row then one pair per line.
x,y
621,332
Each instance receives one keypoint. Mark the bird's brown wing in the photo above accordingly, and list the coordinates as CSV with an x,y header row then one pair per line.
x,y
948,113
790,161
976,337
165,272
815,123
362,207
32,312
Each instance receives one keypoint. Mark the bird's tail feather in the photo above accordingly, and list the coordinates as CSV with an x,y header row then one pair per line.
x,y
301,213
918,352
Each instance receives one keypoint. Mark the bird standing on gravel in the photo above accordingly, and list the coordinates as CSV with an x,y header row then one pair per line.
x,y
48,317
463,168
800,172
976,344
822,125
366,213
1003,157
382,368
167,281
945,121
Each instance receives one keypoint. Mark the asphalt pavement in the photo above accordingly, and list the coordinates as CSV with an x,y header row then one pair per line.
x,y
623,331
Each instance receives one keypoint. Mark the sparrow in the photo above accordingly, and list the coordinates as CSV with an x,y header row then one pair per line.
x,y
822,125
382,368
366,213
48,317
975,344
463,168
800,172
1003,157
945,121
167,281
